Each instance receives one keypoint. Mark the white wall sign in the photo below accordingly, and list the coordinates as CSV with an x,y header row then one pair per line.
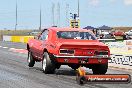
x,y
121,59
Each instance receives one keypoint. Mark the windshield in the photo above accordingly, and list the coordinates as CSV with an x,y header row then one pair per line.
x,y
75,35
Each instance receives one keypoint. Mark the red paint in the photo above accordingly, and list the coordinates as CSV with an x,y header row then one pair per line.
x,y
53,44
75,60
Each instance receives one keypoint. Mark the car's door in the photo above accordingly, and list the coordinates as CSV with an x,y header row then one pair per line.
x,y
35,46
42,43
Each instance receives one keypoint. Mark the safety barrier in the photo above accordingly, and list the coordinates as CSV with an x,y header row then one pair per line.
x,y
126,44
23,39
121,61
121,54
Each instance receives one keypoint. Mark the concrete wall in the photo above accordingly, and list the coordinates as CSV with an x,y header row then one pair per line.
x,y
121,54
121,61
6,38
23,39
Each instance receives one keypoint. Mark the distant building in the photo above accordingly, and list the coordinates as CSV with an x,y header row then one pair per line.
x,y
92,29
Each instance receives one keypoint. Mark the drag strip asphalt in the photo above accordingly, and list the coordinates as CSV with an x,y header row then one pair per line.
x,y
14,72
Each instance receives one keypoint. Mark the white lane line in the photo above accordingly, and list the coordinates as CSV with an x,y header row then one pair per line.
x,y
4,47
12,48
16,49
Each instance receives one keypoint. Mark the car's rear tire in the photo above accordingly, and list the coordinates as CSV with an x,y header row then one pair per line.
x,y
57,66
74,66
100,68
30,59
48,66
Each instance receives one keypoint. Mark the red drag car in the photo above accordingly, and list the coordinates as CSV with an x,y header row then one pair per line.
x,y
118,33
68,46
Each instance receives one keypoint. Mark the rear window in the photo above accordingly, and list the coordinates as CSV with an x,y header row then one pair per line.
x,y
75,35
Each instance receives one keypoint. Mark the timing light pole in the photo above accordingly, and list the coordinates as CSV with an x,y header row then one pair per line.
x,y
75,22
74,16
67,11
16,17
40,19
78,8
53,13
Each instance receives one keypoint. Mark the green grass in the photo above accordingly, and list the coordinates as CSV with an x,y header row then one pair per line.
x,y
13,32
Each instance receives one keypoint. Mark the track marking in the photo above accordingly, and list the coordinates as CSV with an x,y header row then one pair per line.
x,y
18,50
5,47
12,48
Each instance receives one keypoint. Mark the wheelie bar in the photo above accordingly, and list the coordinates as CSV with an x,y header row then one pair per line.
x,y
83,77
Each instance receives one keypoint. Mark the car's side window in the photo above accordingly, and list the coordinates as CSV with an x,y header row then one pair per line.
x,y
44,35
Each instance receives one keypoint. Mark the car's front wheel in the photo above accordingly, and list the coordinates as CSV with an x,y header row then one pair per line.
x,y
48,66
30,60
